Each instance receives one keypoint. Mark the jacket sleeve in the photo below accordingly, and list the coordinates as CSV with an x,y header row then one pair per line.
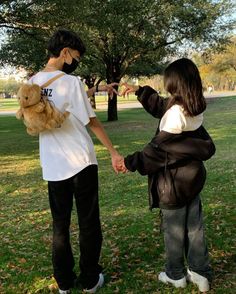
x,y
151,101
168,149
153,158
147,161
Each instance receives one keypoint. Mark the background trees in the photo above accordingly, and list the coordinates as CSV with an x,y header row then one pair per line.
x,y
8,87
219,68
123,37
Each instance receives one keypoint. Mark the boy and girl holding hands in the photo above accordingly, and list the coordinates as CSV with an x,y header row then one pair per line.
x,y
172,160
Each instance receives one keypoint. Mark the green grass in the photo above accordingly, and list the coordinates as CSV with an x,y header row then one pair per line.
x,y
132,253
103,99
8,104
12,104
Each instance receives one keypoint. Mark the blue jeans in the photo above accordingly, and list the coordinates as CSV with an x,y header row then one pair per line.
x,y
184,238
84,188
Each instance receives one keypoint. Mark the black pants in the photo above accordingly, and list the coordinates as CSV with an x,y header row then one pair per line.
x,y
84,187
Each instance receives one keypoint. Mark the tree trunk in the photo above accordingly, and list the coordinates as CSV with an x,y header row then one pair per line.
x,y
93,101
112,108
90,82
113,76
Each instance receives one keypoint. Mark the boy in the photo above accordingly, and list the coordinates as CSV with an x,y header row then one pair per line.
x,y
69,164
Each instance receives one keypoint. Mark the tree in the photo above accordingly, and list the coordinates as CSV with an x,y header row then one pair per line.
x,y
8,86
227,58
219,68
27,26
122,34
92,72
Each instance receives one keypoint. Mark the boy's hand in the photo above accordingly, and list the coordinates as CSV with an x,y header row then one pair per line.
x,y
109,88
118,163
121,166
116,159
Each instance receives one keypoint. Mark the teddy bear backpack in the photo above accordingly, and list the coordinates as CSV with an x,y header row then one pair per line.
x,y
37,112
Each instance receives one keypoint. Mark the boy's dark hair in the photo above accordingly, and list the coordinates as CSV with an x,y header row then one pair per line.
x,y
182,80
64,38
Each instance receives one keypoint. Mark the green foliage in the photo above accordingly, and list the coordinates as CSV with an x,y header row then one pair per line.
x,y
133,252
27,26
9,86
23,51
128,34
121,35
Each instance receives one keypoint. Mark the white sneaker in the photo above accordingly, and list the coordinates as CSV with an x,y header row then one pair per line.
x,y
64,291
97,286
181,283
200,281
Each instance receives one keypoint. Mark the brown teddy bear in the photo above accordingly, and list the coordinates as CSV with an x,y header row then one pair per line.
x,y
36,111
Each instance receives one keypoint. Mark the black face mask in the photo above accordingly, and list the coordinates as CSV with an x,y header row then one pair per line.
x,y
69,68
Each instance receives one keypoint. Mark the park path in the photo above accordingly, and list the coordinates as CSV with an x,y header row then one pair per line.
x,y
134,104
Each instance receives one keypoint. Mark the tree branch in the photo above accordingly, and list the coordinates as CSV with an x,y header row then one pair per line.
x,y
32,35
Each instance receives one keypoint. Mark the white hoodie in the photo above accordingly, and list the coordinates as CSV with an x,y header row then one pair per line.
x,y
175,121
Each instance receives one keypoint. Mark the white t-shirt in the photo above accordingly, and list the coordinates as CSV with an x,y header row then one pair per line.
x,y
175,121
67,150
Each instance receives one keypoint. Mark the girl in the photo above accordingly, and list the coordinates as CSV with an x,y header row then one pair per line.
x,y
173,161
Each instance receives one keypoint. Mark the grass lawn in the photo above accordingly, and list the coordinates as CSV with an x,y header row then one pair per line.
x,y
8,104
12,104
132,253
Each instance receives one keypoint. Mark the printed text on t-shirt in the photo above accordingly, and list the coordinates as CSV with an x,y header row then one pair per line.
x,y
46,92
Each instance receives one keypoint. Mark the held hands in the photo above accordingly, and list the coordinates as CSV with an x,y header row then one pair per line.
x,y
118,163
121,166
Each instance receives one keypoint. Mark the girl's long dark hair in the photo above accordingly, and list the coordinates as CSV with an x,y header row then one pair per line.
x,y
182,80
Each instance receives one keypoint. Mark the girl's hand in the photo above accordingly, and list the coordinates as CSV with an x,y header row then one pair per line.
x,y
128,89
121,166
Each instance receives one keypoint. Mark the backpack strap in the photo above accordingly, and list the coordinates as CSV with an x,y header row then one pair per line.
x,y
52,80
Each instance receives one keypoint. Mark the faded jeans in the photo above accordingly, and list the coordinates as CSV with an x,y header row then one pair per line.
x,y
184,238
